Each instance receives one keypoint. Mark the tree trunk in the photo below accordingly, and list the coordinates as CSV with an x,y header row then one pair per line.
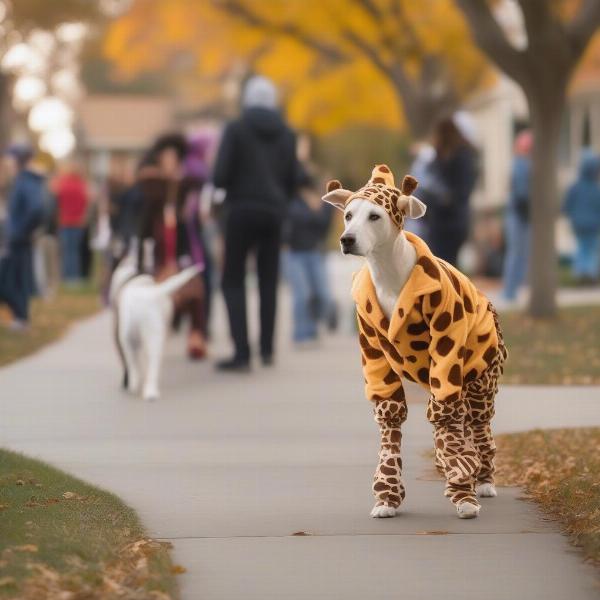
x,y
5,109
546,115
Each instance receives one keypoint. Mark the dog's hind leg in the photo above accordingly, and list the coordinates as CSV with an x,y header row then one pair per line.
x,y
387,482
119,345
130,360
480,395
153,345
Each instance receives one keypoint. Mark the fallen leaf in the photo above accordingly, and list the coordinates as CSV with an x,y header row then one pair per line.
x,y
301,533
26,548
178,570
433,532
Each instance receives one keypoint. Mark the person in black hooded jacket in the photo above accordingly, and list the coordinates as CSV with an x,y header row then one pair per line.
x,y
257,167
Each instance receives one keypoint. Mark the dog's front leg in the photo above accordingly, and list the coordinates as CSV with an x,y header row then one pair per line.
x,y
387,482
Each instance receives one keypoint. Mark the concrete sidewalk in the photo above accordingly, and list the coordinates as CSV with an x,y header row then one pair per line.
x,y
230,467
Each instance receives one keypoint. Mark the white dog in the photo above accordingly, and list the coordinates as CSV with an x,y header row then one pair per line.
x,y
422,320
143,310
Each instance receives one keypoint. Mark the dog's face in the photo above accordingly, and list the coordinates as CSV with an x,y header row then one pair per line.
x,y
367,226
373,224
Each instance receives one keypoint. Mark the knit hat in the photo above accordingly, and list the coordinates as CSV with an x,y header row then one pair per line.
x,y
381,190
21,152
259,92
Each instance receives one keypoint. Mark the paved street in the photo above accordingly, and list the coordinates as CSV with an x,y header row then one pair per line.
x,y
229,467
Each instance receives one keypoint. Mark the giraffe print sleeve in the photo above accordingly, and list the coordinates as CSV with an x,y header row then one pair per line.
x,y
381,381
448,331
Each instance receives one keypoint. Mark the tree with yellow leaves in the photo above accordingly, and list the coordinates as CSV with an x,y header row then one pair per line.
x,y
371,61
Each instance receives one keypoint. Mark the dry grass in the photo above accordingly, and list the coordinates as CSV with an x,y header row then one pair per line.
x,y
560,470
49,320
64,539
563,351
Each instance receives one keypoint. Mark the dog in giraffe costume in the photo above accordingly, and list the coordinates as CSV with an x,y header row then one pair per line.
x,y
422,320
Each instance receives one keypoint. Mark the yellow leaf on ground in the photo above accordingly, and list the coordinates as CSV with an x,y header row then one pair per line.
x,y
26,548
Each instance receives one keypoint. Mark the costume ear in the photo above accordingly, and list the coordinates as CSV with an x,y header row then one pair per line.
x,y
409,185
336,194
412,207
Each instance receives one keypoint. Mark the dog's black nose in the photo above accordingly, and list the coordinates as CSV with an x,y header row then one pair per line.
x,y
347,242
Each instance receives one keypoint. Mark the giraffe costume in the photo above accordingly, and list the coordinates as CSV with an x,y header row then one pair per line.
x,y
444,335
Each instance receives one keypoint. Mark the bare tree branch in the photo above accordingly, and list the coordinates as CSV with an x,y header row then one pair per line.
x,y
239,10
367,50
583,26
491,39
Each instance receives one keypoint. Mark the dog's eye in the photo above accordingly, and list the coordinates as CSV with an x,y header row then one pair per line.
x,y
348,216
374,217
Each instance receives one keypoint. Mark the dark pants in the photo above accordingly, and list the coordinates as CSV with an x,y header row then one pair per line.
x,y
16,280
71,239
247,230
446,242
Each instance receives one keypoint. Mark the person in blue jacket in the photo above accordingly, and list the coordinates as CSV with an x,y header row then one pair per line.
x,y
309,220
25,214
517,216
582,207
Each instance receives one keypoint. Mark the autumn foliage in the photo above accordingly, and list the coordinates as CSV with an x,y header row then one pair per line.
x,y
373,62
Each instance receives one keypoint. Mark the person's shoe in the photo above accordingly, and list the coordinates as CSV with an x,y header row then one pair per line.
x,y
233,365
333,319
196,346
267,360
18,326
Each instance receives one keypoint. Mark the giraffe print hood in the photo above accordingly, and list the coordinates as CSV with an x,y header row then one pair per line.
x,y
381,190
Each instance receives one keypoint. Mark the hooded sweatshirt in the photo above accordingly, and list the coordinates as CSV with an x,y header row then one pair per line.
x,y
441,334
582,203
256,163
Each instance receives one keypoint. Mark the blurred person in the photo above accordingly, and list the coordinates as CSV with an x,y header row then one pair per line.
x,y
47,252
196,168
72,199
423,157
517,216
257,167
582,207
165,247
24,216
450,180
309,222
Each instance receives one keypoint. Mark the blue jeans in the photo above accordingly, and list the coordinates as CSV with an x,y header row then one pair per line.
x,y
517,254
585,261
310,290
70,242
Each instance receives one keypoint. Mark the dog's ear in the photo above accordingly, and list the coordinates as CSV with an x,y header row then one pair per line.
x,y
336,195
412,207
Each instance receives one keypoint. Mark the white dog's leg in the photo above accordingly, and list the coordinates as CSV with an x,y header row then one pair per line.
x,y
154,349
131,362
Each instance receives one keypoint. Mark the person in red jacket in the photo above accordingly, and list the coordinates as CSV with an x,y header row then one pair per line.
x,y
71,193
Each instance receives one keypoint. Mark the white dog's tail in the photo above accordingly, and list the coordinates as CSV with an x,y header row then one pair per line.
x,y
172,284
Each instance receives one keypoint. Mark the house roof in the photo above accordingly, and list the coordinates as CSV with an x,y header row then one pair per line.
x,y
124,122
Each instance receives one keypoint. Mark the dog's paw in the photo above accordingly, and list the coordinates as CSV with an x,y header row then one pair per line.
x,y
467,510
150,395
383,512
486,490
